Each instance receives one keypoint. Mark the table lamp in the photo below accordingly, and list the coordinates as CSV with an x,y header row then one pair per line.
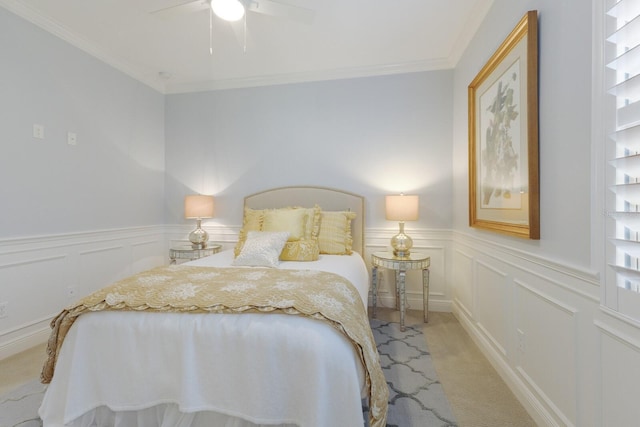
x,y
198,207
401,208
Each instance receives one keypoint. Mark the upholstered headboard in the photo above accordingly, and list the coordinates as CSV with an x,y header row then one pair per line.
x,y
328,199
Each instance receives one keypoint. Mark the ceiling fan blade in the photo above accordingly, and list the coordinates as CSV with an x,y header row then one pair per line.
x,y
282,10
188,6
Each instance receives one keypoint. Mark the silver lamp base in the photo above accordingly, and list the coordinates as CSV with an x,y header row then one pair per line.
x,y
401,243
198,237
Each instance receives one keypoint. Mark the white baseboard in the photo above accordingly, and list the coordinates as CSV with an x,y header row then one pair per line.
x,y
25,341
532,405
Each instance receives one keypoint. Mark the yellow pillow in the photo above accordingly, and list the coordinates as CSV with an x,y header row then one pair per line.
x,y
312,226
284,219
307,248
251,221
291,220
301,250
334,237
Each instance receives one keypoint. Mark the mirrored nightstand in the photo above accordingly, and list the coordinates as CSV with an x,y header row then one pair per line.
x,y
414,261
190,253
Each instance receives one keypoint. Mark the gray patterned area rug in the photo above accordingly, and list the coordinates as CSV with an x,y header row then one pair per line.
x,y
19,407
416,397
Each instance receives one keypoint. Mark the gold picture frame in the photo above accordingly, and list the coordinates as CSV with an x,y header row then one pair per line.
x,y
503,137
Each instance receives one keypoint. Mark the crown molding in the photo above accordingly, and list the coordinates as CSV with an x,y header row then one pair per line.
x,y
167,87
310,76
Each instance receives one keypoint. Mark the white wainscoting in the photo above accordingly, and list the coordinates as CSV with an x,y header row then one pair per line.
x,y
570,361
620,376
540,323
40,275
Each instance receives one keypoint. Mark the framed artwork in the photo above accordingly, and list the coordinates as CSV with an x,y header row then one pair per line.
x,y
503,137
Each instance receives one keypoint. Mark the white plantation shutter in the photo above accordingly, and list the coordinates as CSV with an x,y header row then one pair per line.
x,y
622,120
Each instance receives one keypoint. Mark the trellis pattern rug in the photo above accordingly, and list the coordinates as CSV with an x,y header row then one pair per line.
x,y
416,397
19,407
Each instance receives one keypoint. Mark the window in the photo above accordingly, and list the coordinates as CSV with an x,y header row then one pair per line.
x,y
621,102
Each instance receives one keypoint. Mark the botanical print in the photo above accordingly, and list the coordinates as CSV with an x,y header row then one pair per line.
x,y
499,154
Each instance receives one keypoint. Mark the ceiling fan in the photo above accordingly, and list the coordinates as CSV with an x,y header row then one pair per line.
x,y
235,10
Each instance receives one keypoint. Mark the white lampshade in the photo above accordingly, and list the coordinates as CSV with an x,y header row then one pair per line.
x,y
198,206
229,10
401,208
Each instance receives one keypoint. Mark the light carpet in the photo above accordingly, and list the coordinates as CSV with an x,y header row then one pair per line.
x,y
416,397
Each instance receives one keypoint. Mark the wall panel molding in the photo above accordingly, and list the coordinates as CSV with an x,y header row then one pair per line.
x,y
32,261
61,268
539,360
618,335
551,300
490,306
98,250
496,250
619,352
524,394
544,306
554,410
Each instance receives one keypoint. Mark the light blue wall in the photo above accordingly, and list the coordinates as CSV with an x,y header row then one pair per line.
x,y
113,178
371,136
564,124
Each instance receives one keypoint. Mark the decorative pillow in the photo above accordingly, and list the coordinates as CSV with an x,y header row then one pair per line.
x,y
291,220
251,221
301,250
312,226
256,220
262,249
335,232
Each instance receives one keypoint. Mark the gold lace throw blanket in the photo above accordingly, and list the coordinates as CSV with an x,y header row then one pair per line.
x,y
315,294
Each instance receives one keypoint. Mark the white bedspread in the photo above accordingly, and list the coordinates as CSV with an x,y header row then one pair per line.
x,y
209,369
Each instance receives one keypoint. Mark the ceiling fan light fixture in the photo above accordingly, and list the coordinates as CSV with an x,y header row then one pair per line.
x,y
229,10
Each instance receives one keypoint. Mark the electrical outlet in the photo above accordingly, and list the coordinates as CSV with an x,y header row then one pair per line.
x,y
3,309
521,341
72,138
38,131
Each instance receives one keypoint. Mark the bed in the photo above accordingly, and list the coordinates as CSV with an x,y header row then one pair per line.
x,y
255,363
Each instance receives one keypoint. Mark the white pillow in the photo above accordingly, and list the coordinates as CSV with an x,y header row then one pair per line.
x,y
262,249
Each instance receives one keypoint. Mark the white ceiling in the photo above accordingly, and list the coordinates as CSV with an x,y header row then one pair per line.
x,y
347,38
